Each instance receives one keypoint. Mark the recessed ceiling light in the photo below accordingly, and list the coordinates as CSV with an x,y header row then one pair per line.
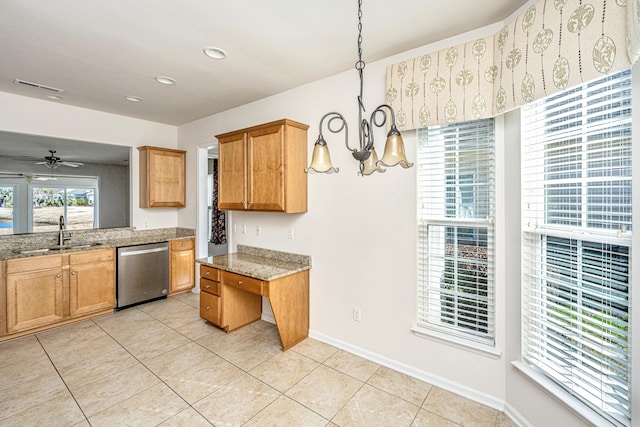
x,y
215,52
55,97
133,98
165,80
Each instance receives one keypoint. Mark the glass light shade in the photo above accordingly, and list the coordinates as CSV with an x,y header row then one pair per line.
x,y
394,150
321,160
371,164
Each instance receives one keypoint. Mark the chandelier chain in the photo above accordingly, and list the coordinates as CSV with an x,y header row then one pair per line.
x,y
360,64
365,153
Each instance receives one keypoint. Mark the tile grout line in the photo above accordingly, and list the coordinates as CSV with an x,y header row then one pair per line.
x,y
154,374
61,379
260,333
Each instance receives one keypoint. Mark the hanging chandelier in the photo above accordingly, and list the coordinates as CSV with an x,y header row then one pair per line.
x,y
365,153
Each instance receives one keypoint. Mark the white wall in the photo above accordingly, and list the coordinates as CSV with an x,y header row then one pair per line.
x,y
38,117
361,234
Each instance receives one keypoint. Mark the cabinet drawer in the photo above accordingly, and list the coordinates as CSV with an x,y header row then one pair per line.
x,y
92,256
210,308
35,263
209,286
245,283
209,273
181,245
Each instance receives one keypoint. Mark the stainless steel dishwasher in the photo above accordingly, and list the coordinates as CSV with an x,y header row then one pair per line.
x,y
143,274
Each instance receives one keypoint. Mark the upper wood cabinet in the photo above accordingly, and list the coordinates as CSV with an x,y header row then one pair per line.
x,y
262,168
162,177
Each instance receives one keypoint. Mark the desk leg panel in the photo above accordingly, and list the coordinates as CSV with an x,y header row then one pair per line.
x,y
289,298
239,308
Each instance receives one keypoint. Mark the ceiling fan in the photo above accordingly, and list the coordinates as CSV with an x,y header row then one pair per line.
x,y
29,177
52,161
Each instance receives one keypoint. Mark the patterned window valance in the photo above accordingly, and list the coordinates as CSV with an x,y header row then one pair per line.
x,y
554,45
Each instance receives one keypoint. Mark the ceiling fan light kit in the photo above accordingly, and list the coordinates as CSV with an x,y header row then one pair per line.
x,y
52,161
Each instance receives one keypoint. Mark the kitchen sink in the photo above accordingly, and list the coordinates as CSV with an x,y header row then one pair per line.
x,y
33,251
56,248
85,245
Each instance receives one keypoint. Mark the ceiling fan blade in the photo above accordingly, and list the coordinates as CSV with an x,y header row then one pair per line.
x,y
72,164
41,163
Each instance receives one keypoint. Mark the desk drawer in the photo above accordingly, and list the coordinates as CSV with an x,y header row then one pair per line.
x,y
209,286
210,308
209,273
242,282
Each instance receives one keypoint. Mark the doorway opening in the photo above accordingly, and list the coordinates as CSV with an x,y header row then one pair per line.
x,y
217,220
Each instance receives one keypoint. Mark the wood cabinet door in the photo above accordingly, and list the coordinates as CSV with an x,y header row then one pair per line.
x,y
182,270
91,287
232,172
166,171
34,299
266,169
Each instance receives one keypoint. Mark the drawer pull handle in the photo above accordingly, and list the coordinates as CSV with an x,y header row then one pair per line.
x,y
207,273
58,275
207,307
208,286
73,273
239,282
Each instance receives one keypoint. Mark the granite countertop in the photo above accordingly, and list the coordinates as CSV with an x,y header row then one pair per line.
x,y
11,246
258,263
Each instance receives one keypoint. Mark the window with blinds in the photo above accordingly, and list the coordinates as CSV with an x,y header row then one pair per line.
x,y
577,226
455,230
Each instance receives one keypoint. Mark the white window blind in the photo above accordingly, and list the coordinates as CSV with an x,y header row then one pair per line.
x,y
577,242
455,226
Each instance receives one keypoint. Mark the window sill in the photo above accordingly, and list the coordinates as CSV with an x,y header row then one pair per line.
x,y
562,396
464,344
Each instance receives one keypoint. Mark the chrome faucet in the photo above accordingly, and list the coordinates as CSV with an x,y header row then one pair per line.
x,y
61,238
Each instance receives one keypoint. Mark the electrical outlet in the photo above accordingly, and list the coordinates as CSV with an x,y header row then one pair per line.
x,y
258,230
356,314
291,234
244,229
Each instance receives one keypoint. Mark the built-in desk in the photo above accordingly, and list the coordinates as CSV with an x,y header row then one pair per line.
x,y
232,287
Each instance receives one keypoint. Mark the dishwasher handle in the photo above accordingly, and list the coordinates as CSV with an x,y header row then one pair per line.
x,y
144,251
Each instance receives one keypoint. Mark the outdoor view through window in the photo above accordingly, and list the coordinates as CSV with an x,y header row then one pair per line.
x,y
45,203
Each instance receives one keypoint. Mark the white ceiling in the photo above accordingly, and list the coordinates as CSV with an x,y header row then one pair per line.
x,y
99,51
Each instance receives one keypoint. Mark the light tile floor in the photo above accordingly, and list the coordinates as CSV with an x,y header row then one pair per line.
x,y
159,364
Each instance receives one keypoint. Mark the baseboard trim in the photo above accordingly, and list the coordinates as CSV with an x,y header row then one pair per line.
x,y
435,380
268,318
516,416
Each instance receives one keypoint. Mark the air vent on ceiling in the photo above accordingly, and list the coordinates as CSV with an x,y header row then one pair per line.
x,y
37,85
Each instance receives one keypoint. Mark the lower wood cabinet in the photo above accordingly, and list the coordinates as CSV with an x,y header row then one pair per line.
x,y
92,280
226,306
182,265
42,291
35,292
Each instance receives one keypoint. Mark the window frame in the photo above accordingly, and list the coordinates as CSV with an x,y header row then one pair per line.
x,y
537,229
453,180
